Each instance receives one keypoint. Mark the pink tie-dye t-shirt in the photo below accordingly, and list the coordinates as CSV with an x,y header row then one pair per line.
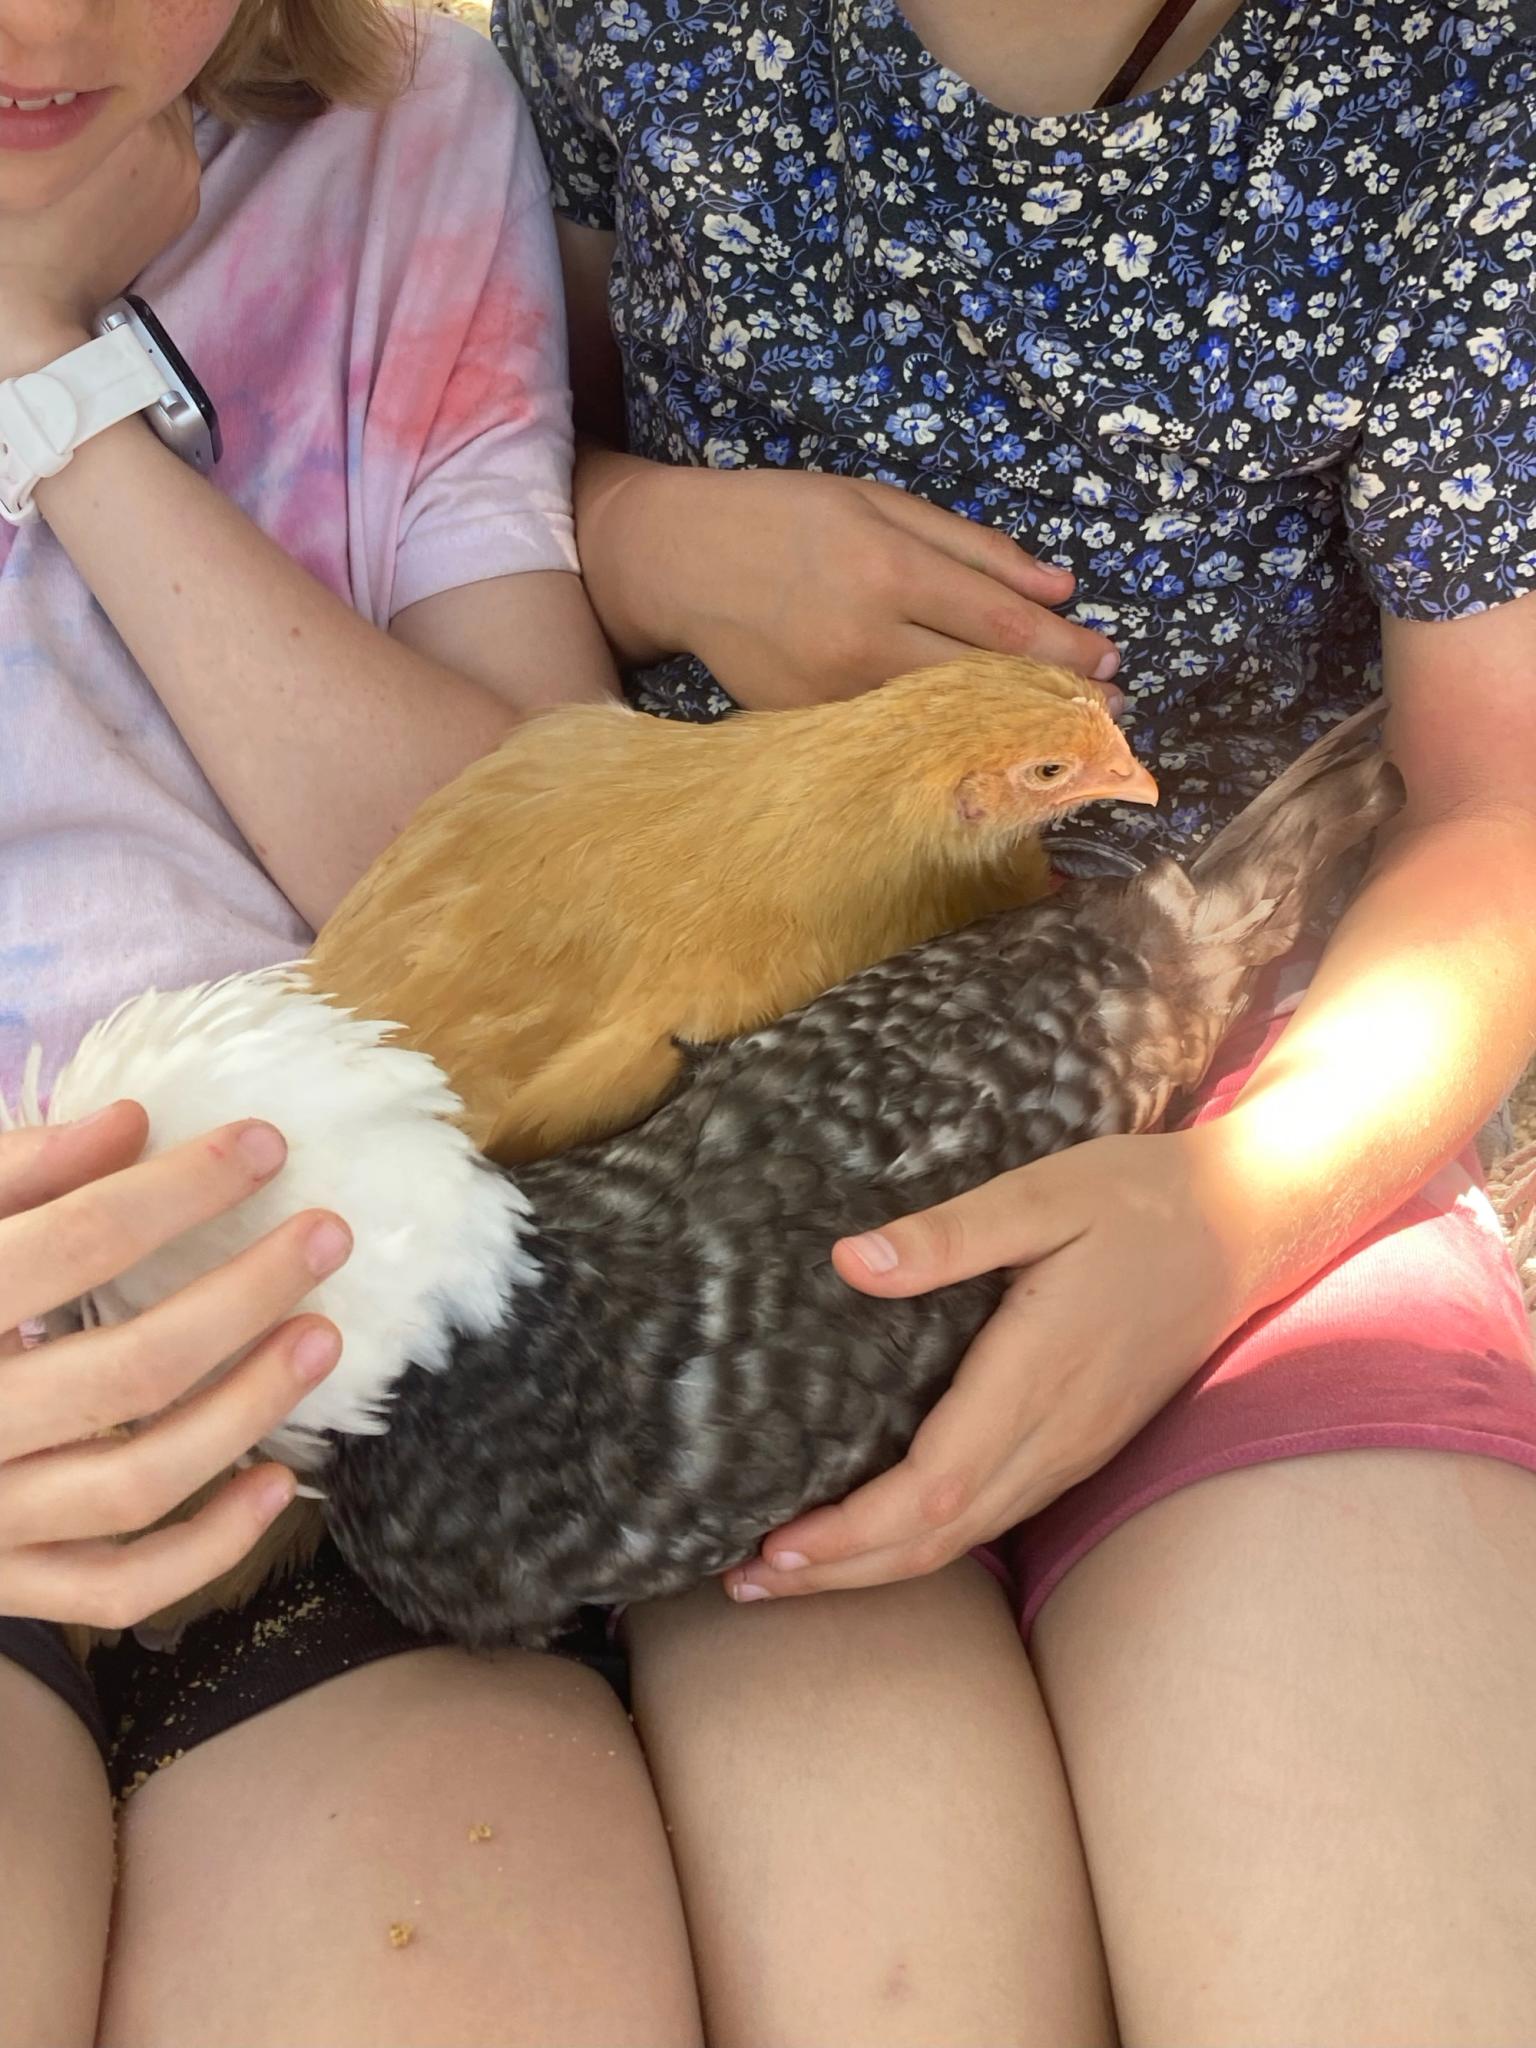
x,y
372,301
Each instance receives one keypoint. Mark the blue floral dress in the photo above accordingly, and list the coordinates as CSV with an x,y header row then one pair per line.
x,y
1252,353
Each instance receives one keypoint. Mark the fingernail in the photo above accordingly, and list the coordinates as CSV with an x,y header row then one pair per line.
x,y
1060,569
787,1561
876,1252
314,1355
747,1591
327,1246
271,1494
262,1148
1107,667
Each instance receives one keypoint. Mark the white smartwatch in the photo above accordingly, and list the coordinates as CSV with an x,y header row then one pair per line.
x,y
131,366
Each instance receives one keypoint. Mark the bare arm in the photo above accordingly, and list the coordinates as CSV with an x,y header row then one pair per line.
x,y
320,733
792,587
1424,1008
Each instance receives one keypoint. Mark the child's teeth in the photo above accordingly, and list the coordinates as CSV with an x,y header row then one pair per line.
x,y
53,99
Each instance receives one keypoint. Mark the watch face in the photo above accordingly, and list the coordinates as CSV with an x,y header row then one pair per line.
x,y
185,418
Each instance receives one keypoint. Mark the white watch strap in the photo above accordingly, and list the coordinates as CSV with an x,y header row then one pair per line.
x,y
47,415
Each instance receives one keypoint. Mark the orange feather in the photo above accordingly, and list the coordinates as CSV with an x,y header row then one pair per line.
x,y
607,883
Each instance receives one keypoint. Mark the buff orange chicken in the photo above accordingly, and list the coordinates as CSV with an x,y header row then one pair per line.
x,y
551,924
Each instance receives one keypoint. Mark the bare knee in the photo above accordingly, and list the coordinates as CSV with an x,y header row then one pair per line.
x,y
870,1819
1294,1707
442,1851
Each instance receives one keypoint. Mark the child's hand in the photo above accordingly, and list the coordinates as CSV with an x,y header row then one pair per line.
x,y
796,587
1129,1253
75,1212
60,265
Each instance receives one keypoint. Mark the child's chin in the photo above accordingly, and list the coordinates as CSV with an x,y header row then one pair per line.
x,y
31,180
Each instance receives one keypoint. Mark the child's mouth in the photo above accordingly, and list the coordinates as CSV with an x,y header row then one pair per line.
x,y
30,119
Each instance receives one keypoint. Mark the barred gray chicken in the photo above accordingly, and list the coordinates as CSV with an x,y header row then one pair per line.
x,y
678,1370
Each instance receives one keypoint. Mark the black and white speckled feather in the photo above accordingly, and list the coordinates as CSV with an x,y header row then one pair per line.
x,y
688,1372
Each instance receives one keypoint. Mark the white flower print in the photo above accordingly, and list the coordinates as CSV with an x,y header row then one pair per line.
x,y
944,92
1286,562
1470,489
1272,398
1335,410
1177,476
732,231
1490,350
899,257
1098,618
1144,132
1502,206
1130,254
624,19
728,344
1297,105
1049,201
1134,423
674,153
769,52
1048,356
1389,339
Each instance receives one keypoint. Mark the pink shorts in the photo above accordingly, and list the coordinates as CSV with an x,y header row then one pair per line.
x,y
1415,1338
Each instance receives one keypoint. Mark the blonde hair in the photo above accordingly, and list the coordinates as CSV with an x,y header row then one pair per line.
x,y
286,60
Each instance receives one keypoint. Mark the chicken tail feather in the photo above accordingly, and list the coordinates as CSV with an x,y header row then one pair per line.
x,y
1269,871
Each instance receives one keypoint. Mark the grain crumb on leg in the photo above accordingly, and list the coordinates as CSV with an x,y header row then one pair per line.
x,y
402,1933
480,1832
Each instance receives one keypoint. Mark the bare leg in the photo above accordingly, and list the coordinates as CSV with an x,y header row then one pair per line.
x,y
870,1821
56,1853
262,1873
1295,1705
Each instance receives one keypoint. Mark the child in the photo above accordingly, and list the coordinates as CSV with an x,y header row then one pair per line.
x,y
1227,309
224,693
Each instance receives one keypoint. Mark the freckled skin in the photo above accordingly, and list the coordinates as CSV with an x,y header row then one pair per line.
x,y
146,52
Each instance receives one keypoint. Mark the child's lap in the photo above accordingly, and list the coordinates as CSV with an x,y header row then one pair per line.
x,y
1415,1338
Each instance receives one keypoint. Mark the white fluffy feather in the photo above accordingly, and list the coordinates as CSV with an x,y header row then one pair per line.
x,y
438,1237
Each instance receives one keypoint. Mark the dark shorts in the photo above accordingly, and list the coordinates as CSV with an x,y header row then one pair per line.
x,y
147,1707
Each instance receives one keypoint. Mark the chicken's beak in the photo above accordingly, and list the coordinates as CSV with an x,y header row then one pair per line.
x,y
1139,787
1122,782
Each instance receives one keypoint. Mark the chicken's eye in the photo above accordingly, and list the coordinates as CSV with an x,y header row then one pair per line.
x,y
1048,771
